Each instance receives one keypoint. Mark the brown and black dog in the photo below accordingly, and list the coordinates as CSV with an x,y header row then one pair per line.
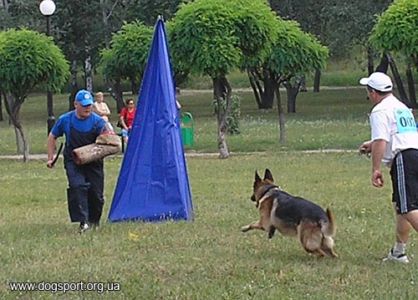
x,y
292,216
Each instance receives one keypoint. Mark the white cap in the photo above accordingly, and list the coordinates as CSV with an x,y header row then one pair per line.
x,y
378,81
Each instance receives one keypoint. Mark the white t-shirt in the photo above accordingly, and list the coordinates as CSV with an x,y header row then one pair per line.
x,y
393,121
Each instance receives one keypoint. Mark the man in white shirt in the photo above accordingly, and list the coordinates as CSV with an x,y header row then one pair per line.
x,y
394,142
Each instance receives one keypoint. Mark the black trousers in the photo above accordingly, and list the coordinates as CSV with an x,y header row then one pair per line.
x,y
85,192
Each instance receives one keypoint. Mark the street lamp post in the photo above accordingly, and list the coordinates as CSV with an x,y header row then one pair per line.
x,y
47,8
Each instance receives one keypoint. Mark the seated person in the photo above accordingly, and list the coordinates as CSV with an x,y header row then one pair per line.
x,y
100,107
127,115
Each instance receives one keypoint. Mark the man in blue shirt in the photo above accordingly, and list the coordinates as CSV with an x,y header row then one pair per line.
x,y
86,182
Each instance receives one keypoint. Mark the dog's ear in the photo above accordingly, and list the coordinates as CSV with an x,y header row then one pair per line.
x,y
268,175
257,177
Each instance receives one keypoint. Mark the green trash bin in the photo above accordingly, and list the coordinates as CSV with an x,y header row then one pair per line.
x,y
187,128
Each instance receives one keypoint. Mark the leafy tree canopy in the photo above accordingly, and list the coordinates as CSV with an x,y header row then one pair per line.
x,y
338,24
397,29
203,34
255,28
129,51
147,11
28,58
216,36
78,29
295,52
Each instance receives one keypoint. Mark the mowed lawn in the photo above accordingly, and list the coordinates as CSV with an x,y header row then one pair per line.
x,y
210,258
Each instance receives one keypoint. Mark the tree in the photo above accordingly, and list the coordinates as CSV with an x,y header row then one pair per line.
x,y
300,53
28,59
13,14
213,37
354,20
147,11
310,14
127,57
20,14
293,54
396,31
78,29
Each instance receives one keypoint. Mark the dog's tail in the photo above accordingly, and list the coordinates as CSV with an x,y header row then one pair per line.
x,y
330,228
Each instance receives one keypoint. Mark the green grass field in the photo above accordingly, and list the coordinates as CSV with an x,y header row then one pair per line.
x,y
210,258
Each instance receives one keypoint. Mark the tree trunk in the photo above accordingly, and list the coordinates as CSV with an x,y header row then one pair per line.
x,y
280,111
105,24
222,92
14,106
398,80
73,84
20,148
291,99
6,106
268,96
1,108
256,89
6,6
263,88
383,65
317,80
117,94
88,73
411,85
292,92
370,64
134,86
303,84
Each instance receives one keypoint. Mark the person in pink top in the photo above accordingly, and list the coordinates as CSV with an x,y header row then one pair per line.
x,y
127,115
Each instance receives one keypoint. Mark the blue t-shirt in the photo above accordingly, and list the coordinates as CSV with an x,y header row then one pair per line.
x,y
62,126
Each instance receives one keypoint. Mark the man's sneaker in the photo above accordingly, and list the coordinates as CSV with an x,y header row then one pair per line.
x,y
402,258
84,227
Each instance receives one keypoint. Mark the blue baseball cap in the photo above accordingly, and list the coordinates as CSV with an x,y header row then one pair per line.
x,y
84,97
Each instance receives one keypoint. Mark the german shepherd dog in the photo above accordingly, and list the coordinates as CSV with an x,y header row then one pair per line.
x,y
292,216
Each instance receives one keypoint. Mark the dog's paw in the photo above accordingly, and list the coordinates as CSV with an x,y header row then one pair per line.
x,y
245,228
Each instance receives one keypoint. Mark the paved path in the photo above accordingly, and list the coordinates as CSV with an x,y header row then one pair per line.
x,y
190,154
44,156
189,92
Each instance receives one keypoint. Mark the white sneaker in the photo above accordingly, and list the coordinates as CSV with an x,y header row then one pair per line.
x,y
83,227
402,258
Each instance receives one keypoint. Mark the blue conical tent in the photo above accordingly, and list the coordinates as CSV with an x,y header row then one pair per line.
x,y
153,184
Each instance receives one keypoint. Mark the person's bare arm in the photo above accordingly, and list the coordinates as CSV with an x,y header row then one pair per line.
x,y
122,122
378,150
106,110
96,109
51,145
